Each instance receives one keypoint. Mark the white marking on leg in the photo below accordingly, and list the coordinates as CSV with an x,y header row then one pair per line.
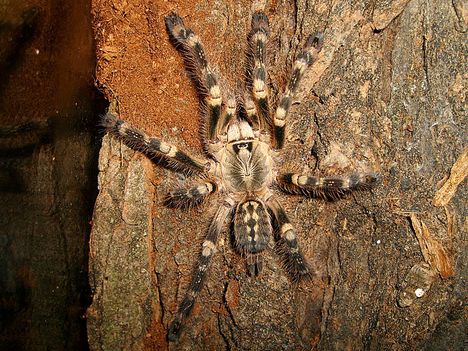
x,y
259,36
208,248
279,122
280,113
164,147
346,183
302,180
259,89
192,40
123,128
231,106
285,227
290,235
319,182
202,189
215,95
172,152
294,179
209,187
301,65
249,106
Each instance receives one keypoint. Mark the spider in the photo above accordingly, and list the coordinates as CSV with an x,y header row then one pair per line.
x,y
241,139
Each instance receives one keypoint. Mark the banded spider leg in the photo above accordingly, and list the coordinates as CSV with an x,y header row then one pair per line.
x,y
258,109
215,117
331,187
303,61
198,277
163,153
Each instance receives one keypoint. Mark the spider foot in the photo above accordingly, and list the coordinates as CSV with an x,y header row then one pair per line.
x,y
174,330
293,261
259,21
175,24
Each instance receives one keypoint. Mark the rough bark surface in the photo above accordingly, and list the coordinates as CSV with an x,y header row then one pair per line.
x,y
387,94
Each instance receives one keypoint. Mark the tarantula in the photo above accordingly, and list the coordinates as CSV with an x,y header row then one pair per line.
x,y
241,140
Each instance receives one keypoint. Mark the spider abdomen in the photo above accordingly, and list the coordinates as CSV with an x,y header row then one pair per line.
x,y
252,230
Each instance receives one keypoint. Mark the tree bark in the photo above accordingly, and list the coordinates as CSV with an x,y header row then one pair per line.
x,y
387,95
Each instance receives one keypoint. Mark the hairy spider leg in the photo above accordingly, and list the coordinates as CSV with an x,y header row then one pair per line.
x,y
196,285
293,261
230,111
258,38
190,197
331,187
165,154
251,111
204,76
252,228
303,61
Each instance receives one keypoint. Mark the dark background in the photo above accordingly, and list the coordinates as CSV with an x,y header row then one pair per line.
x,y
48,167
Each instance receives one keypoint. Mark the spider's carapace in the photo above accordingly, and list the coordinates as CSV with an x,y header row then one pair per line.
x,y
245,164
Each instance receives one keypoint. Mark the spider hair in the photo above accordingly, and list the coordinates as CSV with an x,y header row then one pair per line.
x,y
241,137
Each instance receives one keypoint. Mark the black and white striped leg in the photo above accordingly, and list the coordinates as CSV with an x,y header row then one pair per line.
x,y
251,112
287,246
331,187
208,250
230,110
262,133
190,197
258,39
192,49
165,154
303,61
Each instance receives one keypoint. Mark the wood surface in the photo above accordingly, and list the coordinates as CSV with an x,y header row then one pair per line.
x,y
387,95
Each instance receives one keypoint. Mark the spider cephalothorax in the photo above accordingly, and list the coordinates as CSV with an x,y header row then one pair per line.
x,y
242,140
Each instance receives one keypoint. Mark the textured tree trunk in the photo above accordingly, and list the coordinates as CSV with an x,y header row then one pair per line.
x,y
386,95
